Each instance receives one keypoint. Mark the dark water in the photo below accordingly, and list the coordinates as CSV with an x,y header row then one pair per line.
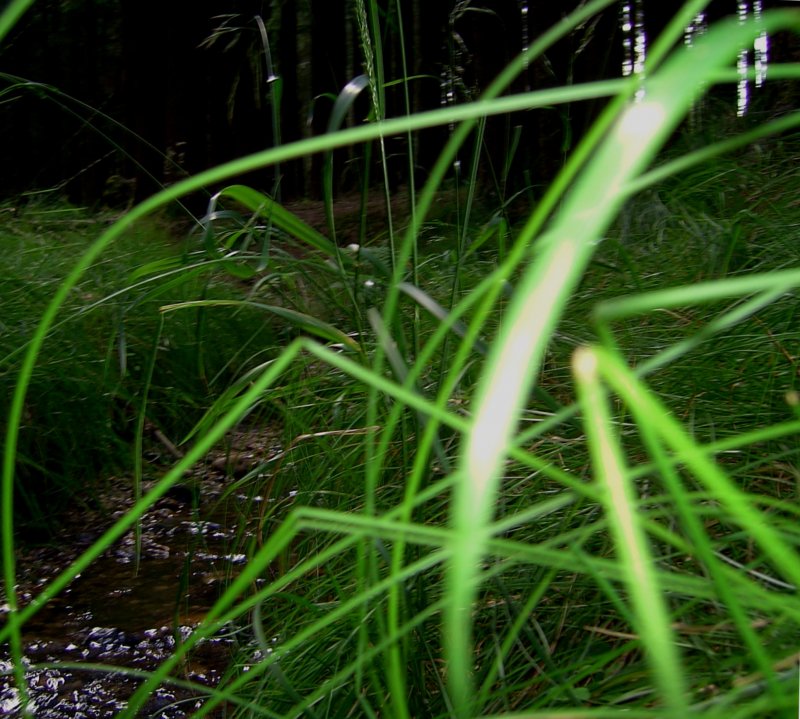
x,y
128,615
59,692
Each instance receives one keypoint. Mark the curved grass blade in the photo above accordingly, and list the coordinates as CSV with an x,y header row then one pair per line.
x,y
650,410
278,215
307,323
341,107
11,15
564,253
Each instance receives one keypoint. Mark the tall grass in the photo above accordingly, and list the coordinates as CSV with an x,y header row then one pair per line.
x,y
470,539
99,351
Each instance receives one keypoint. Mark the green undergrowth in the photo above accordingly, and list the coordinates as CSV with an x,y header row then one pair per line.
x,y
86,397
739,382
575,650
736,384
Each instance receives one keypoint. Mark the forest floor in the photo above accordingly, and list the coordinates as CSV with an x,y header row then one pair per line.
x,y
133,604
367,215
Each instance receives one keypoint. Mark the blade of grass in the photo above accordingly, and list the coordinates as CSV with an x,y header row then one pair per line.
x,y
539,300
274,212
305,322
11,15
716,481
650,613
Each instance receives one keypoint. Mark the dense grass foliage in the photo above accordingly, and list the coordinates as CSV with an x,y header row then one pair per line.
x,y
85,397
537,467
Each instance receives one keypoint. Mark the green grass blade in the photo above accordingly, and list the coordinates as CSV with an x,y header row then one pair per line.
x,y
11,15
307,323
651,616
772,544
274,212
539,301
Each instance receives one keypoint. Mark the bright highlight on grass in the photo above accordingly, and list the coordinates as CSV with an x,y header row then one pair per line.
x,y
651,614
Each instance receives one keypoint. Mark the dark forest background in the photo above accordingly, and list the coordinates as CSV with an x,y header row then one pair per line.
x,y
103,101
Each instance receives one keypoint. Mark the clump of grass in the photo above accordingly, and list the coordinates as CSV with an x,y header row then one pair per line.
x,y
544,487
81,410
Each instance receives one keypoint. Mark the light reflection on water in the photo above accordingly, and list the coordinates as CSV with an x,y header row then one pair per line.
x,y
67,692
115,615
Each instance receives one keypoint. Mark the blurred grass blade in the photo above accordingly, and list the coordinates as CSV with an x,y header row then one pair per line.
x,y
562,255
737,502
651,617
697,157
276,213
308,323
11,15
776,283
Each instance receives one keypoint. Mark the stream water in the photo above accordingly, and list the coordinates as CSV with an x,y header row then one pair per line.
x,y
129,614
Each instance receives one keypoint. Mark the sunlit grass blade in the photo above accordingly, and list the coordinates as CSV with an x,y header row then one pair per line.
x,y
562,255
776,283
705,154
783,557
651,615
308,323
